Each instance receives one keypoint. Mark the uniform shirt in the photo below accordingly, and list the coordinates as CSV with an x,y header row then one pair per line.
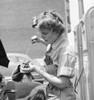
x,y
63,57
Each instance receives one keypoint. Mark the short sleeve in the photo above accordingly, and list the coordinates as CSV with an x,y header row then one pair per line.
x,y
66,66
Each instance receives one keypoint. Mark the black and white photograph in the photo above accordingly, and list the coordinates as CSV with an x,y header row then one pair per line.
x,y
46,49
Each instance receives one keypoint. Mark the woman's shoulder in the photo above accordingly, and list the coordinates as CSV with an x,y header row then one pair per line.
x,y
67,49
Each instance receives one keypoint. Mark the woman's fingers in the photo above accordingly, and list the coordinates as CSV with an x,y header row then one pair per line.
x,y
27,68
34,39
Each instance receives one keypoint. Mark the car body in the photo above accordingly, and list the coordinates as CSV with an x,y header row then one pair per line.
x,y
24,88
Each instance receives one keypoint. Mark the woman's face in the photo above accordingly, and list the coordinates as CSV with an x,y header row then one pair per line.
x,y
48,35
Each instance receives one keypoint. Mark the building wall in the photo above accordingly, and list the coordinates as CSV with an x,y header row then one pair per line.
x,y
16,19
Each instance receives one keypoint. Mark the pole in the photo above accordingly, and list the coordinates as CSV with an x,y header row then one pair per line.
x,y
80,8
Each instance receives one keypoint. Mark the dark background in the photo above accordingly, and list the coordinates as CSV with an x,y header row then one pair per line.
x,y
16,20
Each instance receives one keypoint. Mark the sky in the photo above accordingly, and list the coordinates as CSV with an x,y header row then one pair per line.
x,y
75,15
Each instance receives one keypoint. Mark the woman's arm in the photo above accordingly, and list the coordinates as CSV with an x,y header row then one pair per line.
x,y
59,82
36,39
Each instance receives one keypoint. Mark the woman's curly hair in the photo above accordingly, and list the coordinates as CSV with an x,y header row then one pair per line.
x,y
49,20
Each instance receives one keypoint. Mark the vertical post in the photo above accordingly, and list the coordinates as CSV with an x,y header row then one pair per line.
x,y
80,59
89,26
68,21
81,8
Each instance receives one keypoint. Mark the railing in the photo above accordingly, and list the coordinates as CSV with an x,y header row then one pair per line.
x,y
85,51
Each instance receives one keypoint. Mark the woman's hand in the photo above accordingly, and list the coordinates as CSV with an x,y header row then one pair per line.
x,y
31,67
27,68
36,39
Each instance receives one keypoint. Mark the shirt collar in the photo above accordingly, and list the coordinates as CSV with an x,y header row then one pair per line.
x,y
60,40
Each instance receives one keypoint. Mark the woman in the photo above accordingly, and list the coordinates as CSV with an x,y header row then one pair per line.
x,y
60,60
